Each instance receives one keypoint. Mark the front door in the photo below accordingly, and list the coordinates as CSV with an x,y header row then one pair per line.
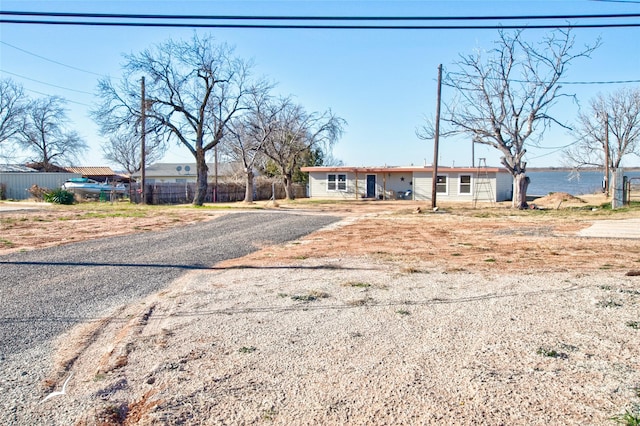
x,y
371,186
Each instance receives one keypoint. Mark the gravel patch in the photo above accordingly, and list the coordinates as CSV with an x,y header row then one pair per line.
x,y
354,340
44,293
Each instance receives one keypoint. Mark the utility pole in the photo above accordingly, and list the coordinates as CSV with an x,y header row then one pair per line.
x,y
436,141
606,154
215,174
143,149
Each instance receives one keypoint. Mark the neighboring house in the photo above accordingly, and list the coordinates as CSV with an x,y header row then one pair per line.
x,y
15,180
453,183
184,172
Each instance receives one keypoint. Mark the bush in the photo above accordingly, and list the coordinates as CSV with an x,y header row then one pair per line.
x,y
59,196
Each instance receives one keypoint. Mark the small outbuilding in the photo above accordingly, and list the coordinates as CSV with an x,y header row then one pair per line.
x,y
17,180
415,183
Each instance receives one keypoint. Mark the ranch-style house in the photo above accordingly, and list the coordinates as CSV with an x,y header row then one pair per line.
x,y
415,183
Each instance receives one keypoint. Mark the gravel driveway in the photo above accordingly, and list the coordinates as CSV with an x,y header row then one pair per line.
x,y
45,292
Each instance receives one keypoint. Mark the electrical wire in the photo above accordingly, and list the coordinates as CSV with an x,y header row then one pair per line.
x,y
617,1
51,60
146,17
315,18
319,27
47,84
586,83
65,99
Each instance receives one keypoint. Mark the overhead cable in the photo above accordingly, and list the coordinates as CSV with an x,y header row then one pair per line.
x,y
50,60
142,20
587,83
315,18
319,27
47,84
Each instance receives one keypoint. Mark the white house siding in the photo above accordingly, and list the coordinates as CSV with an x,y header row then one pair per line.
x,y
318,186
484,187
422,185
499,184
504,184
399,180
17,184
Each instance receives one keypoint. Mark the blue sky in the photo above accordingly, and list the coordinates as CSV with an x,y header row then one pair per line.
x,y
382,82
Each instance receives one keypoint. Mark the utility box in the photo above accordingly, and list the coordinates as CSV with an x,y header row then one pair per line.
x,y
619,182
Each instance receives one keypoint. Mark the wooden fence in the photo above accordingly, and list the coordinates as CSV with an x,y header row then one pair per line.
x,y
633,190
182,193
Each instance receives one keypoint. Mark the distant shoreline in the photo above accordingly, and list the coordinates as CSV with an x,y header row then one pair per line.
x,y
569,169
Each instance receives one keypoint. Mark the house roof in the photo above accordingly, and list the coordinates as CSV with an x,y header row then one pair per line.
x,y
404,169
16,168
46,167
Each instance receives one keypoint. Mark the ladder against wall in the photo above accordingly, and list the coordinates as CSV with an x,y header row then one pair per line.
x,y
483,189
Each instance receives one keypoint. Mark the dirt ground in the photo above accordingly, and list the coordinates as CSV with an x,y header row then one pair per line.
x,y
458,237
394,315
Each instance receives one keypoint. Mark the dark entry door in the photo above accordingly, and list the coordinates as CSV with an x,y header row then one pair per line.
x,y
371,186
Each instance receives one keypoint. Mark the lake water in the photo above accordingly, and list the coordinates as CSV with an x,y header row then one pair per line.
x,y
589,182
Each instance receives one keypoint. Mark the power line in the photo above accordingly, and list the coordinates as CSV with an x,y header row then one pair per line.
x,y
47,84
617,1
314,18
600,82
65,99
550,153
51,60
56,16
319,27
586,83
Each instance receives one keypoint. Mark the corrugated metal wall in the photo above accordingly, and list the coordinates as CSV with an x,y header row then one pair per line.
x,y
16,185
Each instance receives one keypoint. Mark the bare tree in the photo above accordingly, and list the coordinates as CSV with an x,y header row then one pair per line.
x,y
249,134
505,100
298,133
12,110
45,133
194,89
329,159
608,131
123,148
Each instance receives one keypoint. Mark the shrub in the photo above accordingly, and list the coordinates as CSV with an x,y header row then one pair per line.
x,y
59,196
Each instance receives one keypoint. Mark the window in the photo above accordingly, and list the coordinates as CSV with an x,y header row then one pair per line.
x,y
465,184
336,182
441,184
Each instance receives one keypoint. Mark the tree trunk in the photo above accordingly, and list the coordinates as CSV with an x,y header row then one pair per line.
x,y
201,178
248,193
520,184
288,186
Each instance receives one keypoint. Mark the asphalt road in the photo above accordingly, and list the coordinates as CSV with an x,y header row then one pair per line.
x,y
45,292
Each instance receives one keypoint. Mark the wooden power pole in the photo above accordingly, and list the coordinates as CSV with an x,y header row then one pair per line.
x,y
436,141
606,154
143,149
